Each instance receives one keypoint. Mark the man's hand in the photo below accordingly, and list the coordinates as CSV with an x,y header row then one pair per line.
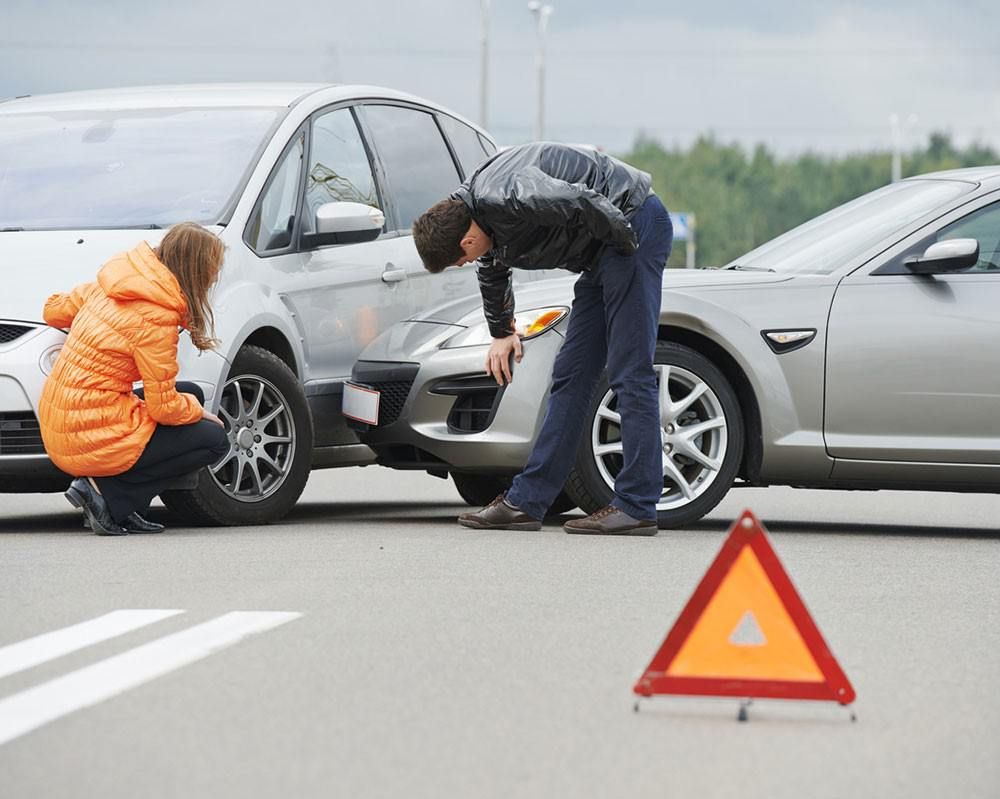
x,y
498,358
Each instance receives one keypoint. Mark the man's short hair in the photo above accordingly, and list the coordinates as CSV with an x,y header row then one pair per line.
x,y
438,234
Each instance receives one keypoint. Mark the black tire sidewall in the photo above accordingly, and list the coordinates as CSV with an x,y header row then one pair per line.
x,y
591,492
479,490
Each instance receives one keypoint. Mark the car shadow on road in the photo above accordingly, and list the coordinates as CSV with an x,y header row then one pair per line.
x,y
854,528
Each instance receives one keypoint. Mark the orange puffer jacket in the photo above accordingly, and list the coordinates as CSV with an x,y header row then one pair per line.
x,y
123,328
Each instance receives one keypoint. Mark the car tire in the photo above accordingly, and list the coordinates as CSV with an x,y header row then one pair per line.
x,y
270,432
707,475
479,490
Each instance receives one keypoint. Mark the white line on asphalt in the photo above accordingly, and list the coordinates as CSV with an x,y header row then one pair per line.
x,y
49,646
30,709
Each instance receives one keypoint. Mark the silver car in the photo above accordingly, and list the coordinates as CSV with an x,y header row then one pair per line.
x,y
311,187
859,350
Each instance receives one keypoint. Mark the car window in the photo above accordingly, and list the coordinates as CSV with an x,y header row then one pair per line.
x,y
339,170
831,240
420,170
271,225
984,226
466,143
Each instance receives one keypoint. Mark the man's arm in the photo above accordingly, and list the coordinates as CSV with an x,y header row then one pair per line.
x,y
497,288
555,203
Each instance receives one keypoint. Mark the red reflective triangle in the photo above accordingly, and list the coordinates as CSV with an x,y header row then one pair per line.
x,y
745,632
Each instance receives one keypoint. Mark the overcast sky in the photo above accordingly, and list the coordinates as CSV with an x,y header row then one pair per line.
x,y
793,74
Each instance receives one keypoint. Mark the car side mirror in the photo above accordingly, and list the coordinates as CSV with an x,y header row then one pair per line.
x,y
344,223
950,255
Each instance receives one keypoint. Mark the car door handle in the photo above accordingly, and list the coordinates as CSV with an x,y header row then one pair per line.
x,y
393,274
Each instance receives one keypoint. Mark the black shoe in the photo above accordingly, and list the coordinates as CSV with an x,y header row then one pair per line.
x,y
610,521
81,494
134,524
498,515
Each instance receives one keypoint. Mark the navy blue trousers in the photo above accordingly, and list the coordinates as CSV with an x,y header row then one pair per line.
x,y
613,324
173,450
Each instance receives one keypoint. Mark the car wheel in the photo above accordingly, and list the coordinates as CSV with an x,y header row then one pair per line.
x,y
701,430
480,490
270,434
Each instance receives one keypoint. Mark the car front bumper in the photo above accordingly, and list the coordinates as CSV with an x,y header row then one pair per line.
x,y
438,409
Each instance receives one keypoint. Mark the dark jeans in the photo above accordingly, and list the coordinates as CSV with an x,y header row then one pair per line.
x,y
171,452
614,322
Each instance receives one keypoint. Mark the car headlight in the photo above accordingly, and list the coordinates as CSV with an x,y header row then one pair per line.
x,y
529,324
47,361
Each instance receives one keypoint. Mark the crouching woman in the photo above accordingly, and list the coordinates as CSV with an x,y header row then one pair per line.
x,y
126,446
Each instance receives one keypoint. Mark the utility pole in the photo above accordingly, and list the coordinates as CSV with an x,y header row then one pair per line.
x,y
484,64
541,14
897,143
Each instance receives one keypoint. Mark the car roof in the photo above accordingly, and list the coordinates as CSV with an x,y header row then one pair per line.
x,y
975,174
211,95
176,96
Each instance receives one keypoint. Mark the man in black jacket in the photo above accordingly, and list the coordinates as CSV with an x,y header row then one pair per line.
x,y
545,205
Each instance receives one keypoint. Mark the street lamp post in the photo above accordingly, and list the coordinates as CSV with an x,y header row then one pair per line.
x,y
484,64
541,14
897,143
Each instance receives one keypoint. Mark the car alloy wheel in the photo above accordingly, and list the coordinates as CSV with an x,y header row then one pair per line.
x,y
701,434
693,434
264,410
261,439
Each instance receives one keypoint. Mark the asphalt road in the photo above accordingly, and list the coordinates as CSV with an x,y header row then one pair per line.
x,y
433,661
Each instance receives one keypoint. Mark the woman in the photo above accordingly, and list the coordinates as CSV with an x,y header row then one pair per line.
x,y
125,447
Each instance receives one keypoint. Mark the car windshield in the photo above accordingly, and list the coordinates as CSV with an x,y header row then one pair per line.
x,y
125,168
829,241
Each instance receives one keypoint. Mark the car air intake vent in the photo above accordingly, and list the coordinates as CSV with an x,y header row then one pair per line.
x,y
392,380
19,434
476,403
9,331
392,398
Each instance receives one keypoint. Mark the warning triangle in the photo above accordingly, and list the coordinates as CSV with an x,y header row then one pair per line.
x,y
746,632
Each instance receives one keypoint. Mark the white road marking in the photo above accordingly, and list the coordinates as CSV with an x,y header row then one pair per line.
x,y
30,709
49,646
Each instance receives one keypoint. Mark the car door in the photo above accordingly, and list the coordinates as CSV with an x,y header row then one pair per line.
x,y
343,295
420,171
913,361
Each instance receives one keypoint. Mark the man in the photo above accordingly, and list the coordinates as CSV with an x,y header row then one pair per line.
x,y
545,205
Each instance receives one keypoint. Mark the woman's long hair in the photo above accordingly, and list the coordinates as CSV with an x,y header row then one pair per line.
x,y
194,255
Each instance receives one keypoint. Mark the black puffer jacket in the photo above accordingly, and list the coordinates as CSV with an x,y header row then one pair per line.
x,y
548,205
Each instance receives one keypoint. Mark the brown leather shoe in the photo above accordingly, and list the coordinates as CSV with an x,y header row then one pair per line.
x,y
498,515
610,521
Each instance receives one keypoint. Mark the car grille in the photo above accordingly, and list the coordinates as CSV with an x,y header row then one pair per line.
x,y
392,380
476,403
19,434
392,398
10,332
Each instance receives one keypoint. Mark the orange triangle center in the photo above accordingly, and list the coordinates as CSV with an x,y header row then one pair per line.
x,y
746,632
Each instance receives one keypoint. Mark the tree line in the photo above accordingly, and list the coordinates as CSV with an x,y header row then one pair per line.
x,y
742,198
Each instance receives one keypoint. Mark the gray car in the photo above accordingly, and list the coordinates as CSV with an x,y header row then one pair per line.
x,y
858,350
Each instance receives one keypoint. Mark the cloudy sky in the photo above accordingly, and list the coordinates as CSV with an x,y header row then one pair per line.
x,y
795,75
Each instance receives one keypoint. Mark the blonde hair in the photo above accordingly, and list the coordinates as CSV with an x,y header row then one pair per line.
x,y
194,256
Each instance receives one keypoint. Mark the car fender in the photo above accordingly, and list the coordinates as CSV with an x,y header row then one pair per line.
x,y
788,387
